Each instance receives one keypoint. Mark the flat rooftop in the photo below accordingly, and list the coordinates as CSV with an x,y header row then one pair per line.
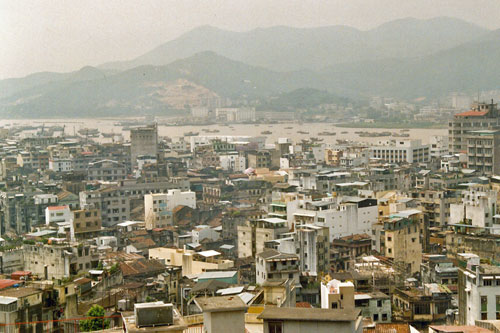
x,y
221,303
309,314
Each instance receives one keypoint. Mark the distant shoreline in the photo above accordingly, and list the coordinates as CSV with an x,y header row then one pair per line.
x,y
386,125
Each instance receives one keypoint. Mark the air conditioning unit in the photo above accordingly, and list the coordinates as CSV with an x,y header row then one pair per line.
x,y
153,314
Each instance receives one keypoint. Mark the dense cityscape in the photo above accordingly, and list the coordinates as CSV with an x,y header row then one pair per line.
x,y
250,166
210,230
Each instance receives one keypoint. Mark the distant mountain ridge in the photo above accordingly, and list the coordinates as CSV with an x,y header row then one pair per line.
x,y
468,67
287,49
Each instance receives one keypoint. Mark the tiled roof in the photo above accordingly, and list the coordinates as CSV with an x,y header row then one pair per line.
x,y
388,328
5,283
140,267
471,113
57,207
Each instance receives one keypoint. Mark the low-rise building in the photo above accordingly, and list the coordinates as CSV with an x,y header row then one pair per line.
x,y
274,266
295,320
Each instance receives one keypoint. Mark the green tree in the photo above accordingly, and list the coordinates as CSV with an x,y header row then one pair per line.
x,y
94,324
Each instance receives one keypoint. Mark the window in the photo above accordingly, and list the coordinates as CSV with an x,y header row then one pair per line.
x,y
497,307
487,282
384,316
484,307
379,303
375,317
334,305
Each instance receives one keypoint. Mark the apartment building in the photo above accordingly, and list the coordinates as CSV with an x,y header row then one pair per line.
x,y
478,290
253,235
158,207
275,266
401,151
476,211
313,248
106,170
143,141
351,216
482,116
116,202
483,151
402,239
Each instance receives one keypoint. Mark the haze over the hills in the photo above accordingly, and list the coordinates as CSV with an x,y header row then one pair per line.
x,y
406,58
286,48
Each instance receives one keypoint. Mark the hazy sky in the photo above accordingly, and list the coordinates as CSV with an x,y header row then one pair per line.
x,y
52,35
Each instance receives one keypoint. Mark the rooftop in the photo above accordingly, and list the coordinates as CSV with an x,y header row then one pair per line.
x,y
221,303
307,314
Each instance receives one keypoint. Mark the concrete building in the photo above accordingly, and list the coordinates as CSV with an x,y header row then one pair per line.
x,y
425,306
478,290
59,260
374,305
222,313
296,320
483,151
274,266
57,214
313,249
337,295
61,164
439,146
253,235
158,207
86,223
106,170
482,116
476,211
117,201
402,239
233,162
143,141
401,151
350,216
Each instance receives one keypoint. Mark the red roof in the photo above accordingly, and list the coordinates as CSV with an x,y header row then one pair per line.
x,y
57,207
303,305
471,113
17,275
6,283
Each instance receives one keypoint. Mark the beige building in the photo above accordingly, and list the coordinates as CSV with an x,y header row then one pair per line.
x,y
297,320
337,295
59,260
158,207
274,266
222,314
143,141
190,261
253,235
86,223
482,116
402,232
483,151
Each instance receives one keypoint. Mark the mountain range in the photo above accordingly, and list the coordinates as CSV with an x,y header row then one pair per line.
x,y
406,58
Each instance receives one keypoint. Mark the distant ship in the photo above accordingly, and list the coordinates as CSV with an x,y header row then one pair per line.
x,y
90,132
191,133
266,132
302,132
325,133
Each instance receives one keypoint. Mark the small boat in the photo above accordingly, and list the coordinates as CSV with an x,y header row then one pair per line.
x,y
288,127
266,132
191,133
325,133
344,132
90,132
302,132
